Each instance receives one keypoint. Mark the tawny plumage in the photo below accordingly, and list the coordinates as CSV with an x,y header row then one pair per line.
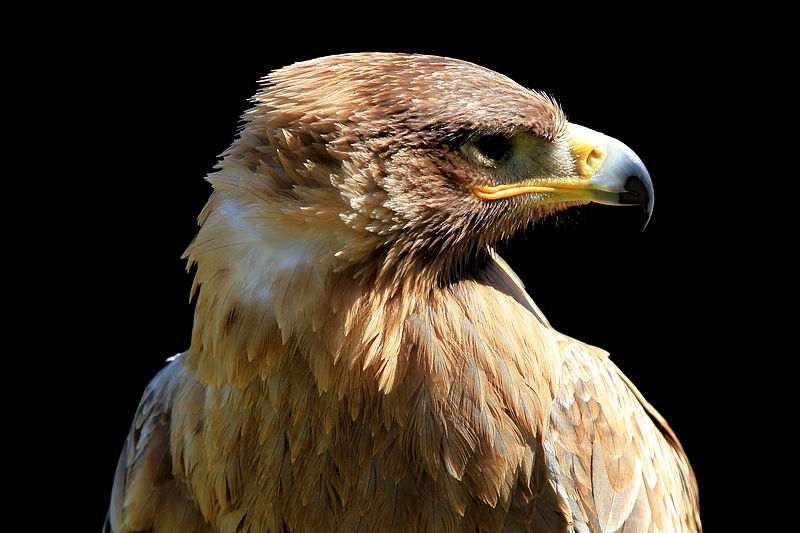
x,y
361,358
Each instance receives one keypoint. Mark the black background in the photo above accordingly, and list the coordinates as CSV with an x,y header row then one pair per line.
x,y
152,101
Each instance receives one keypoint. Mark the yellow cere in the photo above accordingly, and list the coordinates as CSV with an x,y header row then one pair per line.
x,y
589,149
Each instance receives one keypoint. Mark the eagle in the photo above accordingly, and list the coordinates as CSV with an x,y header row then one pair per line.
x,y
361,357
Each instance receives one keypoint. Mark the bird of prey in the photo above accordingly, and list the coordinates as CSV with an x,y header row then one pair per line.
x,y
362,359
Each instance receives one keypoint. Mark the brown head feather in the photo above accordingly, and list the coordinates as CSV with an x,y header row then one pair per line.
x,y
366,148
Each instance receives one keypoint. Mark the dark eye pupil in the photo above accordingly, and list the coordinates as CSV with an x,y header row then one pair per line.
x,y
494,146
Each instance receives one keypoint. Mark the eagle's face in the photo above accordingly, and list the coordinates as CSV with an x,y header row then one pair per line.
x,y
407,158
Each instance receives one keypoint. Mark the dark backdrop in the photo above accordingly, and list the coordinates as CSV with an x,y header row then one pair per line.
x,y
155,102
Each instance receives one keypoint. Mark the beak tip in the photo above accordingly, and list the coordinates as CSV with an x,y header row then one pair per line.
x,y
639,190
648,213
647,205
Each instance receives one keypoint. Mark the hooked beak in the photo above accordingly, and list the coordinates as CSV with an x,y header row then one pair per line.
x,y
606,172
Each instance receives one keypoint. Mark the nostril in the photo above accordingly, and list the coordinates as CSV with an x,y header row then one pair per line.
x,y
594,158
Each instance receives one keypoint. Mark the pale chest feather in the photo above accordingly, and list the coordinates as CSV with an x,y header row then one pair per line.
x,y
418,409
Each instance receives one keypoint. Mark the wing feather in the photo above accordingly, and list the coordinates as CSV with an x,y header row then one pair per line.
x,y
145,496
619,464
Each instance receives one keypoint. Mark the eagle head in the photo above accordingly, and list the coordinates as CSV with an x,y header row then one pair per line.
x,y
379,163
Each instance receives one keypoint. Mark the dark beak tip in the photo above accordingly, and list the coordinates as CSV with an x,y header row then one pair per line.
x,y
648,213
638,191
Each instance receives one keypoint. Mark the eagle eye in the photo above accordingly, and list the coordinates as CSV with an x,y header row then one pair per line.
x,y
494,146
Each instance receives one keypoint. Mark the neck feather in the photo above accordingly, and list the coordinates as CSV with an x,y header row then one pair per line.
x,y
465,361
267,292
